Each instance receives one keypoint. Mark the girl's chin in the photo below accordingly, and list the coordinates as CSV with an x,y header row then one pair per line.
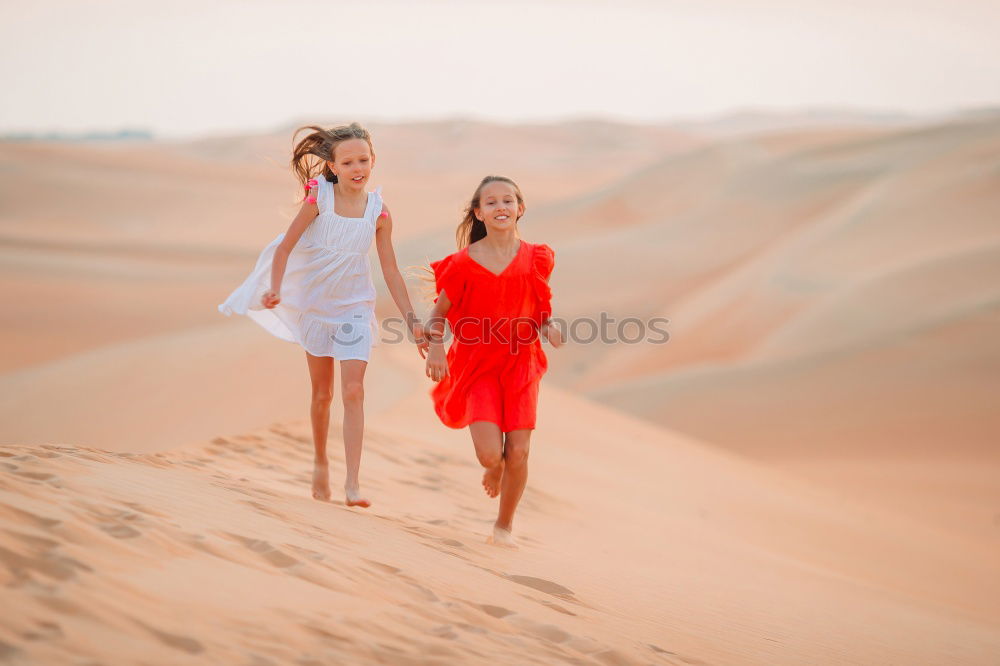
x,y
501,226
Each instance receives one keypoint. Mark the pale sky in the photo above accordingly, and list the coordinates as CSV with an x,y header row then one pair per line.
x,y
190,68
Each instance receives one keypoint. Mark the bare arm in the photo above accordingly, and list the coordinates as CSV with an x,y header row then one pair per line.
x,y
437,364
551,332
394,279
390,270
307,213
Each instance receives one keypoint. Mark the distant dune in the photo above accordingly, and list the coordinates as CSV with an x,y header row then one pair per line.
x,y
833,295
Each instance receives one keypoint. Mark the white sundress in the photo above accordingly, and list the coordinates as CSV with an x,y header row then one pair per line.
x,y
327,295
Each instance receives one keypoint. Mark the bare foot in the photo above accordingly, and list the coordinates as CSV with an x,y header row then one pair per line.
x,y
491,479
321,482
354,498
502,538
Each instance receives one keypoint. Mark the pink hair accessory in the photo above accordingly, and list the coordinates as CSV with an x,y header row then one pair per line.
x,y
313,182
311,200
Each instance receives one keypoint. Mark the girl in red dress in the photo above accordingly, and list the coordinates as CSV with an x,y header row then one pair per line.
x,y
495,295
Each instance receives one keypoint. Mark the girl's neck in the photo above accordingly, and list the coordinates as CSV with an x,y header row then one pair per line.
x,y
501,241
344,194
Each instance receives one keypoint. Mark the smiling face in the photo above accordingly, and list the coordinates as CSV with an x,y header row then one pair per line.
x,y
498,206
352,163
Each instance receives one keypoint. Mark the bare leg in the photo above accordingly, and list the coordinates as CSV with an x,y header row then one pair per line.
x,y
352,390
321,375
515,477
488,440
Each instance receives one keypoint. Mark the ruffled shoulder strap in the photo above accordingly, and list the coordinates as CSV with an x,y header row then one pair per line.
x,y
375,204
323,191
543,260
449,276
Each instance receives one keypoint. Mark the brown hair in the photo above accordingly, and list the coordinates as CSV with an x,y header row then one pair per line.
x,y
470,229
311,154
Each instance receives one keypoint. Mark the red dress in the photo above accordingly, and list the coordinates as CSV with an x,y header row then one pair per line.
x,y
495,360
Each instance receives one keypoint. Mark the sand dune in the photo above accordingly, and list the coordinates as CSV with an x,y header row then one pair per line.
x,y
710,560
745,236
832,299
805,474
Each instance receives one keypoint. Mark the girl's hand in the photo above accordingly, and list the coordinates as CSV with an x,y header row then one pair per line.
x,y
437,363
553,334
270,299
420,335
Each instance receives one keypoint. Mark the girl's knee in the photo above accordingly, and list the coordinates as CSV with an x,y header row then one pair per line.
x,y
516,452
353,393
489,458
322,397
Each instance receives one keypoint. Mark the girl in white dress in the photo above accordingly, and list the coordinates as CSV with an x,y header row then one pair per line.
x,y
312,285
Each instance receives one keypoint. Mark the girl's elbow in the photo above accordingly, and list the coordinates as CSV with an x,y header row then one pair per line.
x,y
391,274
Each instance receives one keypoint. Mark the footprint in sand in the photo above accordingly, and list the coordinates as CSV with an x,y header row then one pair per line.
x,y
46,563
176,641
613,658
542,585
33,519
9,652
419,591
36,476
46,631
548,632
423,593
657,649
109,519
471,628
48,454
325,633
385,568
494,611
444,631
33,541
265,510
276,557
120,531
554,606
305,552
432,541
135,506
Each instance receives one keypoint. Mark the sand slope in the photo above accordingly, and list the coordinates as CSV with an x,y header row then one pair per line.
x,y
638,547
805,474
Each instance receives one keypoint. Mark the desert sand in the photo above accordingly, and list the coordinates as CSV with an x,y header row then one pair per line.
x,y
806,473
